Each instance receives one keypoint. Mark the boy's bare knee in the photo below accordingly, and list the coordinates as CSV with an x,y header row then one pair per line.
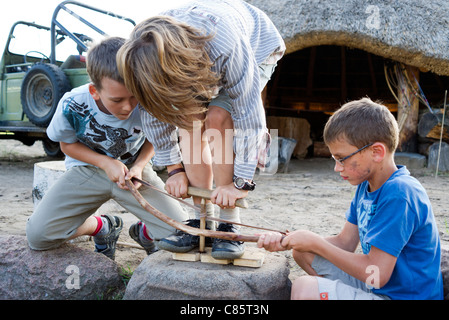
x,y
304,260
218,118
299,256
305,288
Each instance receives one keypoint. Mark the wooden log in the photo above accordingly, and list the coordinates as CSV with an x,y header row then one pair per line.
x,y
408,111
45,175
203,224
320,149
296,128
430,126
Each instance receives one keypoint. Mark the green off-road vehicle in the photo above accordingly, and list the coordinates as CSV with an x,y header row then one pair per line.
x,y
34,77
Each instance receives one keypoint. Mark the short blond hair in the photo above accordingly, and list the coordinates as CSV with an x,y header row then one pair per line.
x,y
101,61
166,66
362,122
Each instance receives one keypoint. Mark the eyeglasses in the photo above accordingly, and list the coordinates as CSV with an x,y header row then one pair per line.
x,y
340,161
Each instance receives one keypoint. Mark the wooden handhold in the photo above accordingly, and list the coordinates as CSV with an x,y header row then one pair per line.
x,y
203,224
206,194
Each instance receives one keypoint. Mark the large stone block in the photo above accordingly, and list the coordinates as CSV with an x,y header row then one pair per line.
x,y
66,273
410,160
159,277
439,157
445,271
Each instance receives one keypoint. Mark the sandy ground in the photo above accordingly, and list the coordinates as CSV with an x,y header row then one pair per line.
x,y
310,196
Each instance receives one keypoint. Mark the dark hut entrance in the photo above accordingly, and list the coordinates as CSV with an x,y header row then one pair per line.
x,y
312,83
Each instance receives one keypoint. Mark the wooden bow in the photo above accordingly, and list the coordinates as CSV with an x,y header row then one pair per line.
x,y
180,226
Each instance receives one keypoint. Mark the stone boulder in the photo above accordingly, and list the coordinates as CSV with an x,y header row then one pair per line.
x,y
65,273
445,271
439,158
159,277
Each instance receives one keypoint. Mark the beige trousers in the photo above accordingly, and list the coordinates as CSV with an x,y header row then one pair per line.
x,y
80,192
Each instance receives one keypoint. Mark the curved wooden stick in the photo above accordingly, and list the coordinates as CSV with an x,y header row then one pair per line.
x,y
180,226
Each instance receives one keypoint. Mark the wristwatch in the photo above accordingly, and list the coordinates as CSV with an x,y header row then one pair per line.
x,y
244,184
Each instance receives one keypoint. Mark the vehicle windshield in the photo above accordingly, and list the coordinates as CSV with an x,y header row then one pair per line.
x,y
31,41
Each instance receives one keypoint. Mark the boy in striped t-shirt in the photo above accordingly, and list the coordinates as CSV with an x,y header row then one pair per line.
x,y
201,68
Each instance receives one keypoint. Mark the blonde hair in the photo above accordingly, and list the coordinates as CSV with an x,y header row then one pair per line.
x,y
362,122
165,65
102,61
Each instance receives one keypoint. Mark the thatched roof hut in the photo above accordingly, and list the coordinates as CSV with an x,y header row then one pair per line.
x,y
339,50
414,32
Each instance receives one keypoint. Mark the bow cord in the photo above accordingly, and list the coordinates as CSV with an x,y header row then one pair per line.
x,y
146,183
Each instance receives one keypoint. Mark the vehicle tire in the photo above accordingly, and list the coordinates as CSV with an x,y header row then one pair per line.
x,y
52,149
42,88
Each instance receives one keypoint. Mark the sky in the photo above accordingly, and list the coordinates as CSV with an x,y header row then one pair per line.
x,y
41,12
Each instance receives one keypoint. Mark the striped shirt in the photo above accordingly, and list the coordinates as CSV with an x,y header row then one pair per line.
x,y
244,38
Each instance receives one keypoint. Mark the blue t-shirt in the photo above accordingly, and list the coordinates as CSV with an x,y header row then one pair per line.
x,y
398,219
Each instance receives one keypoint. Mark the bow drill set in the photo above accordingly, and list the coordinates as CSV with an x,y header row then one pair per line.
x,y
202,232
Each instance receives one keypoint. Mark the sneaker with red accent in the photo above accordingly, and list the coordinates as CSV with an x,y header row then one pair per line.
x,y
109,240
135,233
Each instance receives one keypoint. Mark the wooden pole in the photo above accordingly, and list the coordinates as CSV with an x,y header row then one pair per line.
x,y
203,225
408,110
441,134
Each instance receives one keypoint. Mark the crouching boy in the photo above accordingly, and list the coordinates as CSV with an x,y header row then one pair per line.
x,y
100,132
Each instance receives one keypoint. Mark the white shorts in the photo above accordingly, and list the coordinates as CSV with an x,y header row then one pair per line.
x,y
335,284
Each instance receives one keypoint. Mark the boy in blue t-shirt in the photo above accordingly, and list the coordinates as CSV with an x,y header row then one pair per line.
x,y
390,216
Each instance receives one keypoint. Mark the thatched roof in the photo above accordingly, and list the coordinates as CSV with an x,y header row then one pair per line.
x,y
415,32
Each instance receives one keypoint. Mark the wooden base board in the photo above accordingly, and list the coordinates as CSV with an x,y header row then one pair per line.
x,y
252,257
